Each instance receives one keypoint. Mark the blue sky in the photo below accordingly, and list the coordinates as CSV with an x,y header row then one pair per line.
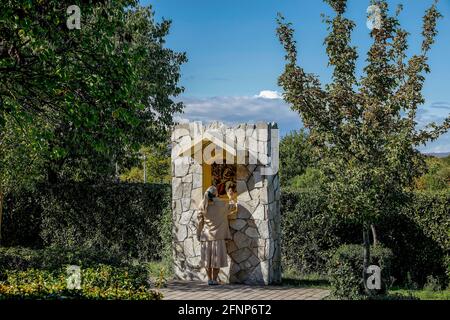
x,y
235,58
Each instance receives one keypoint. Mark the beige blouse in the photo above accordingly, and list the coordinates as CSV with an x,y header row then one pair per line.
x,y
213,224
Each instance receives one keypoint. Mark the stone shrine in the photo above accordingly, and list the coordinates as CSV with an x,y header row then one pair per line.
x,y
245,156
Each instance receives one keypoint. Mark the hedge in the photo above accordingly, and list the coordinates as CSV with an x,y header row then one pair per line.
x,y
124,219
418,234
345,270
52,258
308,233
101,282
419,237
21,223
133,221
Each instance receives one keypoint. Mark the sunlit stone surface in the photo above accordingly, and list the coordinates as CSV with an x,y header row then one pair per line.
x,y
254,252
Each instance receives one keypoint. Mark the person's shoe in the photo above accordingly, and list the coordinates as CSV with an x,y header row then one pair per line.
x,y
214,283
210,282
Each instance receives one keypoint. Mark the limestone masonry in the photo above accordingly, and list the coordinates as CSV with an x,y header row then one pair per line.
x,y
254,252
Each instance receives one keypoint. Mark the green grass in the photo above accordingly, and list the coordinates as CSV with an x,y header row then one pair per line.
x,y
159,272
423,294
313,280
155,268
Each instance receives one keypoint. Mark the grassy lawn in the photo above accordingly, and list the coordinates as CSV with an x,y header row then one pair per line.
x,y
423,294
313,280
293,278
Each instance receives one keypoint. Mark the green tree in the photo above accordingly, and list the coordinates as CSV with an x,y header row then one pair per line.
x,y
155,161
101,91
364,128
295,155
437,176
20,162
76,103
312,179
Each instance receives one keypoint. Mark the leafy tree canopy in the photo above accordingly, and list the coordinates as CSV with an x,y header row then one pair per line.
x,y
295,155
92,96
364,127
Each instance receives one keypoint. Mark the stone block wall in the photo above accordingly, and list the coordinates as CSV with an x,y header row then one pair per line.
x,y
254,252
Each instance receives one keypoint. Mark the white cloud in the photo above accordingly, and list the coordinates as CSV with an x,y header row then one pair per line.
x,y
268,94
240,109
434,112
268,106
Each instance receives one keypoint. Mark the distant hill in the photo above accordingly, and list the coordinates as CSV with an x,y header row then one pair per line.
x,y
438,154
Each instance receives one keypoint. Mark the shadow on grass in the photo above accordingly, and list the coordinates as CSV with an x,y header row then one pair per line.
x,y
306,283
310,280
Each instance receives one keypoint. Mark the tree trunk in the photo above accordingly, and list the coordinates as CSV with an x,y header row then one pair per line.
x,y
366,256
374,235
52,176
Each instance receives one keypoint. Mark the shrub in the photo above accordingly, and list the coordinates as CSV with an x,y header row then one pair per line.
x,y
21,223
100,282
308,232
165,232
53,258
312,179
432,284
345,270
417,233
18,259
123,219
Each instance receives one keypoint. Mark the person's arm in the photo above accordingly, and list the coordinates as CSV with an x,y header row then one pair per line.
x,y
232,210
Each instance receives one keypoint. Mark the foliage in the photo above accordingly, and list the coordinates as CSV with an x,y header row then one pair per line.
x,y
345,270
437,177
295,155
160,272
124,219
423,294
432,214
364,129
308,232
86,98
21,165
21,218
302,219
98,283
311,179
157,161
432,284
52,258
165,233
417,233
20,157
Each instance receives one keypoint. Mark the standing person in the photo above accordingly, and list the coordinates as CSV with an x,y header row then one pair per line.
x,y
213,229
